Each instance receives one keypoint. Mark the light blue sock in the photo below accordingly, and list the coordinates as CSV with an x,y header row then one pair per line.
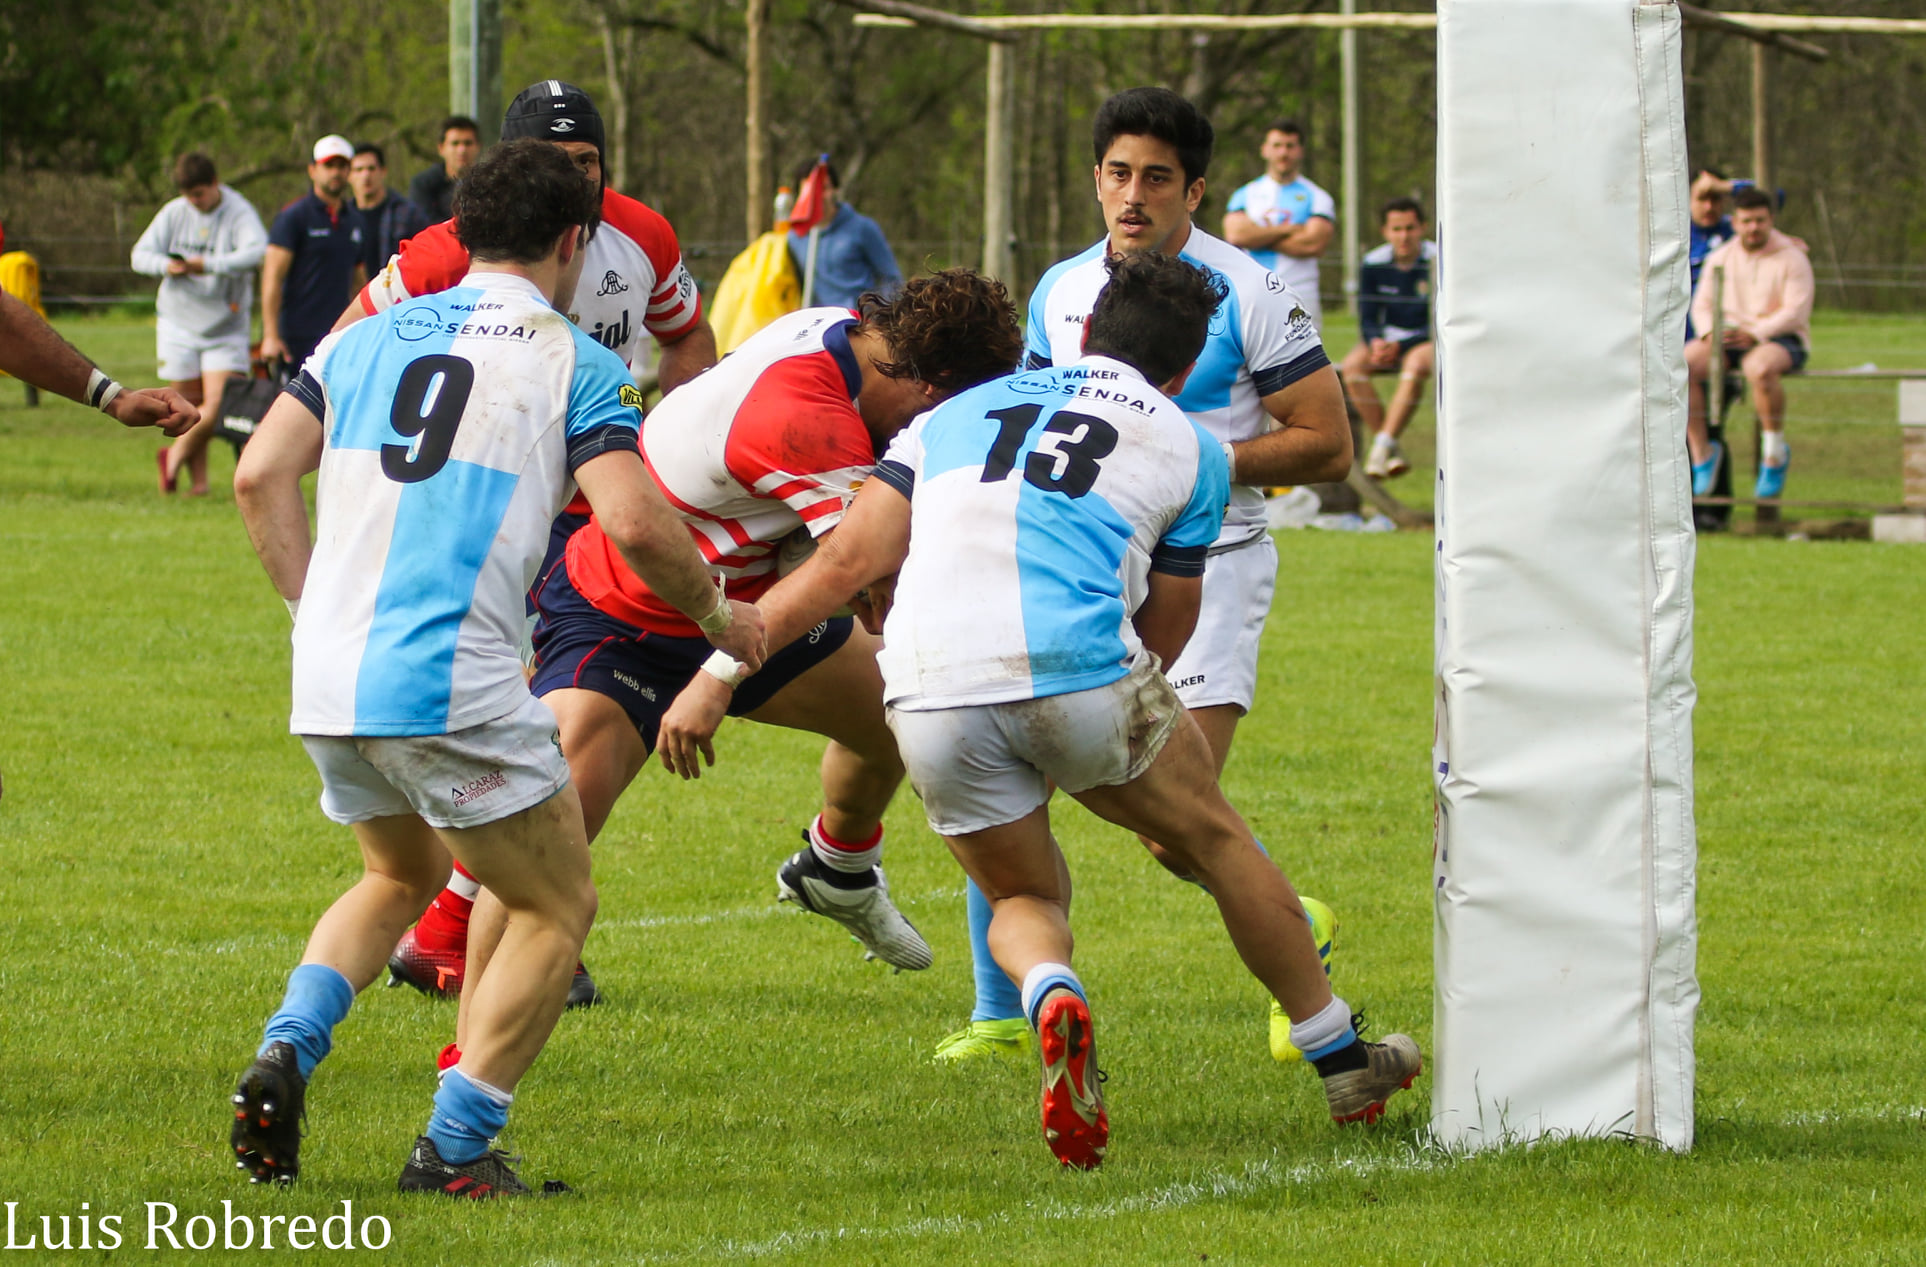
x,y
997,997
316,1001
466,1117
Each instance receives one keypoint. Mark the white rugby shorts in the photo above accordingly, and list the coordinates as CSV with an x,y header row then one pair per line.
x,y
984,765
466,779
184,355
1219,663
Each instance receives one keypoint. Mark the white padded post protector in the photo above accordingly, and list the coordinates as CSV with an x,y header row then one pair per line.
x,y
1565,853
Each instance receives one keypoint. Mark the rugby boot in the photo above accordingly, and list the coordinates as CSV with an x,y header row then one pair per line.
x,y
859,902
268,1109
1075,1125
1358,1093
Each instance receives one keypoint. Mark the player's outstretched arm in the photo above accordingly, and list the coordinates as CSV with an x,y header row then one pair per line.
x,y
1312,444
1168,614
657,546
267,488
870,543
33,351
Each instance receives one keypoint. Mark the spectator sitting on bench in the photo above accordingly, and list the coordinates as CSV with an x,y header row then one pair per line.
x,y
1394,317
1768,326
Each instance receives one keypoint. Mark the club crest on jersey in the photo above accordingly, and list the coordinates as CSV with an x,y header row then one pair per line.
x,y
632,397
612,284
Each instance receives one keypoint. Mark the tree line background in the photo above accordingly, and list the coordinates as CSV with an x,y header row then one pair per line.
x,y
97,96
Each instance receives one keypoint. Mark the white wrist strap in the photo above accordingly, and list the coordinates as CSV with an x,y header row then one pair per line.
x,y
1230,457
726,669
719,619
101,390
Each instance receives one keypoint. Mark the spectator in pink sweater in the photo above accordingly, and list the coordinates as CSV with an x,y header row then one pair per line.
x,y
1768,323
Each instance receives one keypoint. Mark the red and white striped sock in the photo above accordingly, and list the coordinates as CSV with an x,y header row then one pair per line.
x,y
840,855
444,926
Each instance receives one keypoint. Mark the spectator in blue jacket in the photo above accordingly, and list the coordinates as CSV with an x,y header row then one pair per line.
x,y
852,255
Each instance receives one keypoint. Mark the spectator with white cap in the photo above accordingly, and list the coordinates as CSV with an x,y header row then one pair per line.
x,y
313,264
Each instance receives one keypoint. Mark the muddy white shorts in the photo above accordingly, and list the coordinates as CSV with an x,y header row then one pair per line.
x,y
1219,663
465,779
988,764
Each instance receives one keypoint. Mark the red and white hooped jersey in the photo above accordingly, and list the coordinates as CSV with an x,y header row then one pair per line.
x,y
767,442
633,281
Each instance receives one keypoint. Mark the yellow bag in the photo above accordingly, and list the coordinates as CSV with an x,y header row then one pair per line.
x,y
760,286
20,277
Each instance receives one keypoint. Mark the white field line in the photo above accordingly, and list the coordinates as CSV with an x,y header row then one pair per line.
x,y
1212,1186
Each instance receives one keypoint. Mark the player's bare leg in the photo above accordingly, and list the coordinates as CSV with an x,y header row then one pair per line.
x,y
604,754
403,866
1178,801
1218,724
536,865
842,699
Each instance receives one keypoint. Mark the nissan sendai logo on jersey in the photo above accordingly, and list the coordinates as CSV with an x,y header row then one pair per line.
x,y
414,324
417,324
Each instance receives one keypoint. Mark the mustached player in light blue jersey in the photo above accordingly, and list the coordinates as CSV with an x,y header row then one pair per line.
x,y
1051,532
1263,388
449,431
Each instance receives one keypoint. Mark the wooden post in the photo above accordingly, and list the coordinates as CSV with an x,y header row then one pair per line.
x,y
475,64
999,185
1351,223
758,210
1761,120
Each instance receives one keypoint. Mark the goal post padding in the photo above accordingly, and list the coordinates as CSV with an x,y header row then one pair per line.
x,y
1565,849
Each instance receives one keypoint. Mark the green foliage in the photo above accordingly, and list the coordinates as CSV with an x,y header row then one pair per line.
x,y
753,1091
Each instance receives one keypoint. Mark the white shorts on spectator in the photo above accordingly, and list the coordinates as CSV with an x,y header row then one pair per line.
x,y
1565,852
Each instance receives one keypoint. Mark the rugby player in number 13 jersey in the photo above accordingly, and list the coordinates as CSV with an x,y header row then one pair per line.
x,y
1262,387
1051,530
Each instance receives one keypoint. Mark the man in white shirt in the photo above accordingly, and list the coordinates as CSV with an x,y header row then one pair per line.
x,y
204,246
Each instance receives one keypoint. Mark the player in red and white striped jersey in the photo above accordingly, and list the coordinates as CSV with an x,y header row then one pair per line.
x,y
765,450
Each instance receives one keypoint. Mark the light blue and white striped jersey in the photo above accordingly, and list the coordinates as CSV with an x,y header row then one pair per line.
x,y
1261,341
453,425
1039,504
1270,204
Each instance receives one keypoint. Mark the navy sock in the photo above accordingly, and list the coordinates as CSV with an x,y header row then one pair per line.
x,y
997,997
316,1001
466,1117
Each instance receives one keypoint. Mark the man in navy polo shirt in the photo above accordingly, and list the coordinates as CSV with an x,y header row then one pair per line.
x,y
314,259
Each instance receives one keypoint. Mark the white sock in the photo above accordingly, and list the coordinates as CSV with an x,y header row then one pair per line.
x,y
463,885
1772,448
1383,440
1045,977
838,856
1315,1033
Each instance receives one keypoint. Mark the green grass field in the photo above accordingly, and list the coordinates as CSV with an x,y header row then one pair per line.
x,y
754,1091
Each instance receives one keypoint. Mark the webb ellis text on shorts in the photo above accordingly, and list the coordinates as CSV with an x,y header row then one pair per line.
x,y
163,1226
